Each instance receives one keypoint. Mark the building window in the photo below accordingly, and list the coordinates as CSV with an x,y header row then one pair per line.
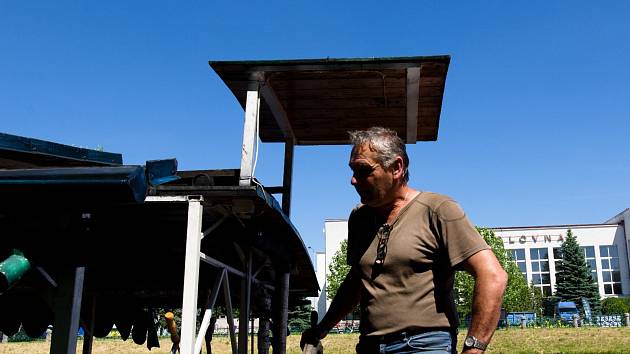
x,y
518,255
557,258
540,270
611,277
589,257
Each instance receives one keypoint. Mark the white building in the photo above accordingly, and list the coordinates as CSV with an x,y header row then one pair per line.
x,y
335,231
535,249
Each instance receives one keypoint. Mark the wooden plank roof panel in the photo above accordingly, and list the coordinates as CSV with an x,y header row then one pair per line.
x,y
325,98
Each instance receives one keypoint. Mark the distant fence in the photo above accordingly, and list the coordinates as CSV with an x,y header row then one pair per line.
x,y
528,321
512,321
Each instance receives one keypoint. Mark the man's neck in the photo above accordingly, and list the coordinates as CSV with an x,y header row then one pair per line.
x,y
401,197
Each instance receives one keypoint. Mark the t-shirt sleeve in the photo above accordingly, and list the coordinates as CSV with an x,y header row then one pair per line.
x,y
352,247
459,237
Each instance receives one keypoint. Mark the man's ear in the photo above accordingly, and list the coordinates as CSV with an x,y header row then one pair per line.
x,y
398,167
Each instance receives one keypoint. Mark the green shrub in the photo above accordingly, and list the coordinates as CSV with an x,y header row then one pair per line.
x,y
615,305
22,337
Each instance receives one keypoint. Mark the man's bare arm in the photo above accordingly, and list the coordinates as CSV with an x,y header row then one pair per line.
x,y
346,299
490,283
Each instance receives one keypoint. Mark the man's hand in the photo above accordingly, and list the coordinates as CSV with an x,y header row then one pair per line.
x,y
311,336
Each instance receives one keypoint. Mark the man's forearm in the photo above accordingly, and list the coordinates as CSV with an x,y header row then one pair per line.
x,y
490,283
486,306
346,299
486,309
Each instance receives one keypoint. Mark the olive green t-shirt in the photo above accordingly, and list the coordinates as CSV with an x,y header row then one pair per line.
x,y
413,288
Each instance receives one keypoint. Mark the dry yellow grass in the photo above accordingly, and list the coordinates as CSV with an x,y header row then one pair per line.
x,y
534,340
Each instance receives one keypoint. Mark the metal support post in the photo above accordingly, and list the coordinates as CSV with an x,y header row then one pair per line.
x,y
228,310
250,134
263,305
281,314
251,334
413,96
88,333
67,308
263,335
191,276
212,299
246,290
287,178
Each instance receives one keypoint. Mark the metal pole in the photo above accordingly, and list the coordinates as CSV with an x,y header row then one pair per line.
x,y
252,334
191,276
263,335
246,289
228,310
67,311
207,317
250,134
287,178
88,335
281,314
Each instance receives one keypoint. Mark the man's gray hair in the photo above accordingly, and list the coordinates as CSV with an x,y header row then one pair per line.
x,y
385,143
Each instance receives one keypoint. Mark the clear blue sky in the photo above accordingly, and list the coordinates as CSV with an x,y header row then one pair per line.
x,y
534,126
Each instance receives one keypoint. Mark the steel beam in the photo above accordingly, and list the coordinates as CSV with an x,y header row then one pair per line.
x,y
67,308
218,264
281,314
212,299
246,291
278,110
191,276
287,178
88,335
413,97
250,134
229,314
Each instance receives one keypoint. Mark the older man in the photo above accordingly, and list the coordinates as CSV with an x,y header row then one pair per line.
x,y
404,246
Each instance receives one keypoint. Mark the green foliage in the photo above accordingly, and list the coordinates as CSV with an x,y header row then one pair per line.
x,y
518,295
21,336
338,269
616,305
536,300
300,316
573,278
463,292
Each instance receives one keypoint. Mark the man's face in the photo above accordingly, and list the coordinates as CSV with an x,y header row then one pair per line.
x,y
372,182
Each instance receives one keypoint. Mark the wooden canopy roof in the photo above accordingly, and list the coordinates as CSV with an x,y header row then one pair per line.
x,y
22,152
317,101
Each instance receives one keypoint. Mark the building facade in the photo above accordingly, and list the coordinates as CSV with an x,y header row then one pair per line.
x,y
535,249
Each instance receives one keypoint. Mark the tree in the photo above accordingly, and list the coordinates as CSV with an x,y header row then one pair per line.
x,y
338,269
518,295
573,278
300,315
536,301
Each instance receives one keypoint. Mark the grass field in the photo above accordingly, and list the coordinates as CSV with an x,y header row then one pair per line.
x,y
534,340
